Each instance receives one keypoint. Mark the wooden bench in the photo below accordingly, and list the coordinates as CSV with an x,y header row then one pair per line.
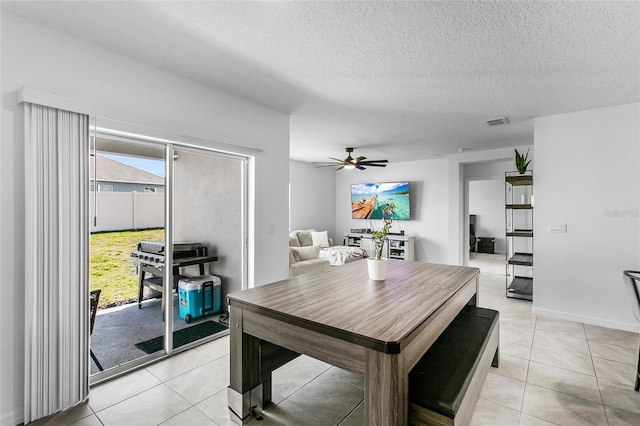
x,y
444,386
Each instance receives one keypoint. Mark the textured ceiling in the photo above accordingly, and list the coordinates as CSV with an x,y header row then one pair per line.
x,y
397,80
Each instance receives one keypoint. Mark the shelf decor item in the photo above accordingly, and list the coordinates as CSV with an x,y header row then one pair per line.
x,y
521,162
377,266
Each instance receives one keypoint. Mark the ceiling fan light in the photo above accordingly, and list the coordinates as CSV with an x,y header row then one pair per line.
x,y
349,166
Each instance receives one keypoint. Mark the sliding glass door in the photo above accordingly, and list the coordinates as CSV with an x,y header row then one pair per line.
x,y
207,215
168,242
127,222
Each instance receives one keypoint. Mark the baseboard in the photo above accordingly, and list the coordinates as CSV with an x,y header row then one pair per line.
x,y
11,419
601,322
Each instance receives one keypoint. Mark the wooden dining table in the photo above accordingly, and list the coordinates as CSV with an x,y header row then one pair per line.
x,y
378,329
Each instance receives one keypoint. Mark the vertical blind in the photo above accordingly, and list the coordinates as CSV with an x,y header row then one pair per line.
x,y
56,260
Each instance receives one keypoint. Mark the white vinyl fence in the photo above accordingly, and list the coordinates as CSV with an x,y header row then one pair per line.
x,y
126,210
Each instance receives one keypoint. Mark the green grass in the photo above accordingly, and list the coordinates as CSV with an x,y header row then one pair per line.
x,y
112,268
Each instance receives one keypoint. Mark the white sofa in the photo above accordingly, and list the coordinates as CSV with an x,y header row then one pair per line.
x,y
312,251
304,257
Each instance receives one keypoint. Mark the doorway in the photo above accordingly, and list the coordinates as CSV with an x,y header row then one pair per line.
x,y
486,223
196,201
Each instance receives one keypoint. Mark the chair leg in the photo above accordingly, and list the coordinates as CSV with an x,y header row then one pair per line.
x,y
93,357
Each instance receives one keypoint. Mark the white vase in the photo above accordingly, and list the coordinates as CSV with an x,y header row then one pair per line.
x,y
377,269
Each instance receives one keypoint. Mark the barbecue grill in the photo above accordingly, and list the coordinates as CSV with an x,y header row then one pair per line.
x,y
150,259
153,252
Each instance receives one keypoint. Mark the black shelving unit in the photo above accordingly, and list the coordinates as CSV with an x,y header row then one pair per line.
x,y
519,234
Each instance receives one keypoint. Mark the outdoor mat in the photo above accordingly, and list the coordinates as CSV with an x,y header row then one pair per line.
x,y
182,337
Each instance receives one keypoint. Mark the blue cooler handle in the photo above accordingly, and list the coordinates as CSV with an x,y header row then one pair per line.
x,y
205,285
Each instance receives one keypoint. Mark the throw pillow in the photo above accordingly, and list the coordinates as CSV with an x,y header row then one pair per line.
x,y
320,238
293,240
305,237
306,253
293,254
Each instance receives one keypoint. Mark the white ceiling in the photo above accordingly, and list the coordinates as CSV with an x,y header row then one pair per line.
x,y
397,80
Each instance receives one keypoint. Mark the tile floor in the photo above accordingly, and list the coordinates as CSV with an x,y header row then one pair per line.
x,y
551,372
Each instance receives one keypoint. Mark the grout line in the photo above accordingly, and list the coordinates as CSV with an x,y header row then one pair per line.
x,y
351,412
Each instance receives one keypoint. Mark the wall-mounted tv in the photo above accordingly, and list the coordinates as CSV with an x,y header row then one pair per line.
x,y
369,200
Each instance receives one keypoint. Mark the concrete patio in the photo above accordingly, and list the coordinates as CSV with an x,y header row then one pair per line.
x,y
117,330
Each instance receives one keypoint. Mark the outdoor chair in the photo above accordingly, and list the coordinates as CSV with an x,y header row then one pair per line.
x,y
95,297
632,284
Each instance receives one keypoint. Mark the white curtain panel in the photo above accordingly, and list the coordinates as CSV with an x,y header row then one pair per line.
x,y
56,260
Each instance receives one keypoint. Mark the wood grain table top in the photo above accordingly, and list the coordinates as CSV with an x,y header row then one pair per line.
x,y
344,303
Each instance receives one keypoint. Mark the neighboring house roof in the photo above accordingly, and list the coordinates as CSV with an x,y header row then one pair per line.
x,y
114,171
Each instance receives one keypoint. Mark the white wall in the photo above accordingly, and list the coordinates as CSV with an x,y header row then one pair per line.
x,y
437,199
587,176
122,88
313,198
428,197
486,201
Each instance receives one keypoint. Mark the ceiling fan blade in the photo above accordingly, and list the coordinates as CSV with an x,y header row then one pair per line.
x,y
360,159
335,159
376,165
325,165
359,167
325,162
339,168
374,161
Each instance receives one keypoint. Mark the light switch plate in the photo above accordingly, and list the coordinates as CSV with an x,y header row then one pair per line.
x,y
558,227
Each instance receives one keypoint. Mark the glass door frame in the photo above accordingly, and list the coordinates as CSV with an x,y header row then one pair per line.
x,y
169,147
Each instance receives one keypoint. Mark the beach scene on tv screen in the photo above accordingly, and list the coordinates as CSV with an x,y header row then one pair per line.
x,y
368,200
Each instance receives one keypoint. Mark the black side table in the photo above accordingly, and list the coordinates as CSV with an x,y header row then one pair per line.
x,y
486,245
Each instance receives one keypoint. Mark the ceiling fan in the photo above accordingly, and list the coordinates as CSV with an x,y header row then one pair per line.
x,y
352,163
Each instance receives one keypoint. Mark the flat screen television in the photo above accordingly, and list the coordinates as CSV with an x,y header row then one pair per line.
x,y
369,200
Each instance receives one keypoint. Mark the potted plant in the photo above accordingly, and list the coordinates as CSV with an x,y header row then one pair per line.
x,y
377,266
521,162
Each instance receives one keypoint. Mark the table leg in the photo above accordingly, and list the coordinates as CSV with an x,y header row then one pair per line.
x,y
386,389
474,300
244,394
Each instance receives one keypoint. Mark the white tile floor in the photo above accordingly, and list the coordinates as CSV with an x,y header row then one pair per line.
x,y
551,372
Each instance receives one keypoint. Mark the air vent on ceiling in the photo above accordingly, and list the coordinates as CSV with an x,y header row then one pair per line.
x,y
498,122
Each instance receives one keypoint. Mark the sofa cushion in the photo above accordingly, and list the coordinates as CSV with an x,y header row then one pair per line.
x,y
292,259
293,240
307,266
320,238
294,254
306,253
304,237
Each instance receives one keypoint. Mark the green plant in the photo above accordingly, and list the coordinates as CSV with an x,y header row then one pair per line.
x,y
381,234
521,161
